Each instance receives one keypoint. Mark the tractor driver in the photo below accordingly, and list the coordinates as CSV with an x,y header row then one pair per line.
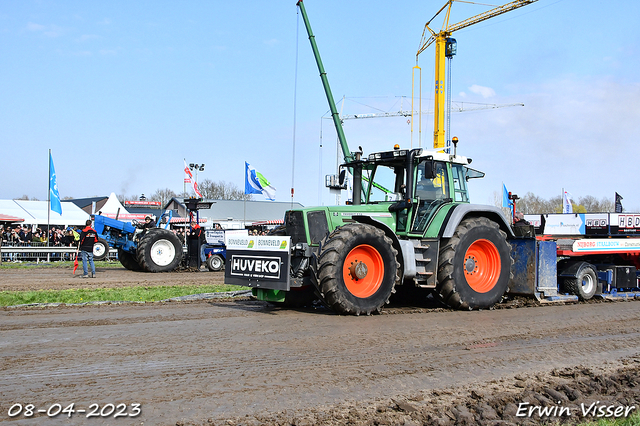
x,y
148,222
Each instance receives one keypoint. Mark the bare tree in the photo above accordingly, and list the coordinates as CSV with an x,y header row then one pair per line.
x,y
163,195
533,204
222,190
124,197
593,205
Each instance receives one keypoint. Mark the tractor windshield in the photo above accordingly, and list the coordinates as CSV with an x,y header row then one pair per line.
x,y
382,183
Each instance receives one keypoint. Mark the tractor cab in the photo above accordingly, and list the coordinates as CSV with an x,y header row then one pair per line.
x,y
415,183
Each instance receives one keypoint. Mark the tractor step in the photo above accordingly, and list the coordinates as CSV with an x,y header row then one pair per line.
x,y
426,255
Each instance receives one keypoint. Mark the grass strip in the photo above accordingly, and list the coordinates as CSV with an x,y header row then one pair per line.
x,y
632,420
57,264
129,294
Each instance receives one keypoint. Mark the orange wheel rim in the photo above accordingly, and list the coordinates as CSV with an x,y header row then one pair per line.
x,y
482,266
363,271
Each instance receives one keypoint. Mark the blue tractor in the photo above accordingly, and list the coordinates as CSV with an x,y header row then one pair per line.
x,y
151,250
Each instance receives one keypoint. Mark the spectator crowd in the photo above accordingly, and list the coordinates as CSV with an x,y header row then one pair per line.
x,y
24,235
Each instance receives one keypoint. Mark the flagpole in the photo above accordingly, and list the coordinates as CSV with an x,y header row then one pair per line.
x,y
49,199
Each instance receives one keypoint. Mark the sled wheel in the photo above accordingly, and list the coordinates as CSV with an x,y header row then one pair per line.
x,y
357,269
585,284
215,263
474,268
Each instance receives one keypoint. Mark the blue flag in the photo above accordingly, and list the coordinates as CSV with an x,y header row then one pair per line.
x,y
256,183
54,196
506,202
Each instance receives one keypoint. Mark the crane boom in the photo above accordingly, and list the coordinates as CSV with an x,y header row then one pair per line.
x,y
458,107
449,29
440,40
348,156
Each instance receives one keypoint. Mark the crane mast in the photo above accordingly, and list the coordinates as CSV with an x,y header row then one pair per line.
x,y
443,47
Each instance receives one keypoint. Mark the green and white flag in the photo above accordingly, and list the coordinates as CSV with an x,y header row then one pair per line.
x,y
256,183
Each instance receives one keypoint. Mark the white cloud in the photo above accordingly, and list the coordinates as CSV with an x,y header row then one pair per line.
x,y
35,27
47,30
271,42
88,37
485,92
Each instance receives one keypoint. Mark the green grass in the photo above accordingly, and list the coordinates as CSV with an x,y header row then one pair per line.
x,y
55,264
131,294
632,420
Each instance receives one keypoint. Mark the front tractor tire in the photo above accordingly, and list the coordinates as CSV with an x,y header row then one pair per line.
x,y
357,269
100,249
159,250
474,268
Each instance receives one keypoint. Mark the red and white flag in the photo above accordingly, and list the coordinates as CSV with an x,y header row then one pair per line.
x,y
188,177
195,189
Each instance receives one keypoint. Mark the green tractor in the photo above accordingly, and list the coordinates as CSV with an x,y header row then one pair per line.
x,y
409,228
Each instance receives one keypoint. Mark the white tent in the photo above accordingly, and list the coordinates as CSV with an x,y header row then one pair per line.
x,y
112,206
11,208
35,213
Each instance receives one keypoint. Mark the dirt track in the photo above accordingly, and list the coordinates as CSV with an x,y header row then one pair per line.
x,y
245,362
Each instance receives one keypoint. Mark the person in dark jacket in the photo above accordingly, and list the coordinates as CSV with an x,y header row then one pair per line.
x,y
88,237
149,222
198,233
519,220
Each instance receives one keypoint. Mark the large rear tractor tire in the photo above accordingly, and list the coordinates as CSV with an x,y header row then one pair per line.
x,y
585,284
474,268
128,260
357,269
100,249
159,250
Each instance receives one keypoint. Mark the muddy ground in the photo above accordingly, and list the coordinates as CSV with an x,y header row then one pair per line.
x,y
244,362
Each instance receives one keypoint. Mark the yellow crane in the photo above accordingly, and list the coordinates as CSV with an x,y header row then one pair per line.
x,y
445,47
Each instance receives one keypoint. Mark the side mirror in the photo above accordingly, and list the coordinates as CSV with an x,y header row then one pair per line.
x,y
343,174
429,169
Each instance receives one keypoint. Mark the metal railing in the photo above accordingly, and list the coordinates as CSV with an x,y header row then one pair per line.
x,y
39,252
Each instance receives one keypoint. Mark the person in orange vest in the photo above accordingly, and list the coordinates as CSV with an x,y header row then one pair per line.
x,y
88,237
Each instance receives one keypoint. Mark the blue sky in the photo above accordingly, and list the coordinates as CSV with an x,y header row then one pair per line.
x,y
122,91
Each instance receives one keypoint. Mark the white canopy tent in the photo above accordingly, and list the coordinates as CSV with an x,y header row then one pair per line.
x,y
35,213
112,206
11,208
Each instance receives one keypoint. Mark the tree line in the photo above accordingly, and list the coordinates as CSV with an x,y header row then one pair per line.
x,y
209,189
533,204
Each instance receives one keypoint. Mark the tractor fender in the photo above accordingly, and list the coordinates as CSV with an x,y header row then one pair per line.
x,y
405,251
463,211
